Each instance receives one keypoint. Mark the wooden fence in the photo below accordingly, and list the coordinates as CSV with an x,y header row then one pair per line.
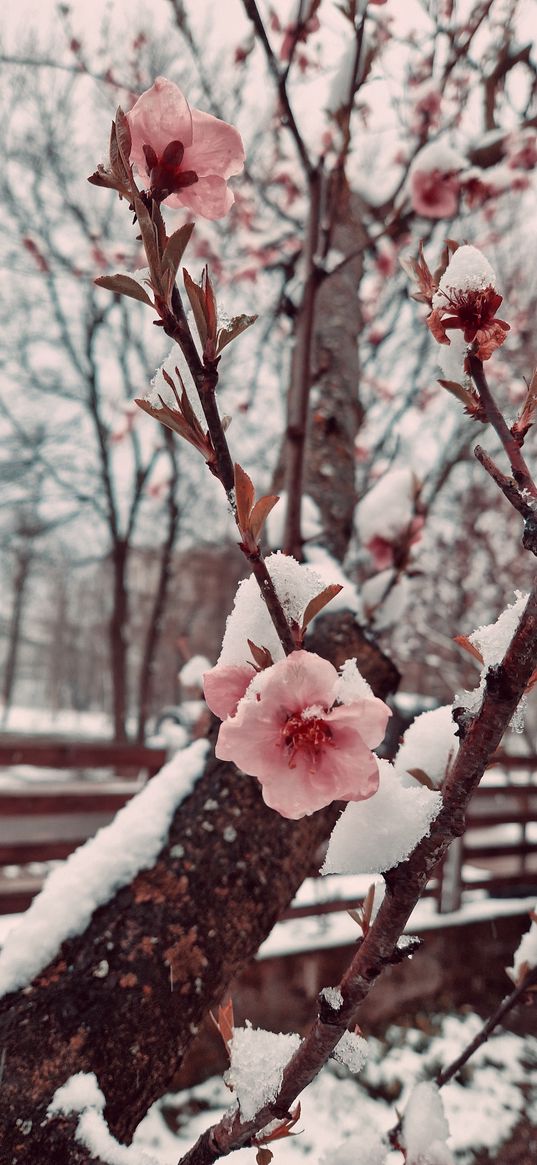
x,y
47,819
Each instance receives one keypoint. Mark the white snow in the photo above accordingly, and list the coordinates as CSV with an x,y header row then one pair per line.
x,y
191,675
250,1048
387,509
451,357
440,156
425,1128
468,270
429,744
351,685
81,1094
351,1051
97,870
492,641
365,1149
333,997
374,835
295,585
525,955
310,520
330,571
385,598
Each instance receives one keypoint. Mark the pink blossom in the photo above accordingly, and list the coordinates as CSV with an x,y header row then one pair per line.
x,y
224,685
381,551
305,750
185,156
434,193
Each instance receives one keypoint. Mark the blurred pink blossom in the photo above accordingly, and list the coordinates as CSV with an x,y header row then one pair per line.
x,y
224,685
185,156
305,750
434,194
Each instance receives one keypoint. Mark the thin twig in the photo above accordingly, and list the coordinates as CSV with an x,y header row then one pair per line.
x,y
280,78
299,389
529,980
519,468
507,485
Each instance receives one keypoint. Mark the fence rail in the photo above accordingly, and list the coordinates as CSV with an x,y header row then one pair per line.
x,y
47,819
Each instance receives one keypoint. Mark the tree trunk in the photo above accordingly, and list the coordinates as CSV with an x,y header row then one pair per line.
x,y
169,944
159,603
118,638
20,583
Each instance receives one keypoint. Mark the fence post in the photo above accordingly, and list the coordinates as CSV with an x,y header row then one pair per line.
x,y
450,896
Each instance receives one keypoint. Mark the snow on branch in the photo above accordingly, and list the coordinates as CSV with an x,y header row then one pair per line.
x,y
98,869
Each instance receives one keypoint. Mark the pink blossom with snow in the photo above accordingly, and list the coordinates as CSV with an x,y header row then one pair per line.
x,y
434,182
305,749
185,156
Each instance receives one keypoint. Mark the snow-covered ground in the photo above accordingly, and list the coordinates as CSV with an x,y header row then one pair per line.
x,y
496,1090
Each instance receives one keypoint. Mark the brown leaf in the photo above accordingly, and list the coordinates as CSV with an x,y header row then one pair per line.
x,y
149,239
176,246
464,642
245,495
264,1156
261,655
123,137
261,512
124,285
315,605
238,325
197,303
421,776
225,1022
210,308
460,392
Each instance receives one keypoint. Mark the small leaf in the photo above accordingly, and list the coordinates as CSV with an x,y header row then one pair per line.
x,y
176,247
421,776
149,238
124,285
459,391
244,495
225,1022
261,512
123,137
264,1156
464,642
261,655
210,304
315,605
197,303
238,324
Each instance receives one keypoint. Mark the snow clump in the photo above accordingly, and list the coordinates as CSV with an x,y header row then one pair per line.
x,y
425,1128
429,745
258,1059
374,835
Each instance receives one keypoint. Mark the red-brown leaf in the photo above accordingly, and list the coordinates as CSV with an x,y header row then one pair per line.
x,y
315,605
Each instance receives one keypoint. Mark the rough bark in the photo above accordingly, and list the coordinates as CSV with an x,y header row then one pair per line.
x,y
125,999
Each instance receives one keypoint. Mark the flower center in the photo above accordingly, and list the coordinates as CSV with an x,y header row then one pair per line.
x,y
309,734
165,174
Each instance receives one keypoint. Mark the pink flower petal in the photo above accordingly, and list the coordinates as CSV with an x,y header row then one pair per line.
x,y
210,197
369,715
304,752
224,686
216,147
300,681
434,194
160,116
